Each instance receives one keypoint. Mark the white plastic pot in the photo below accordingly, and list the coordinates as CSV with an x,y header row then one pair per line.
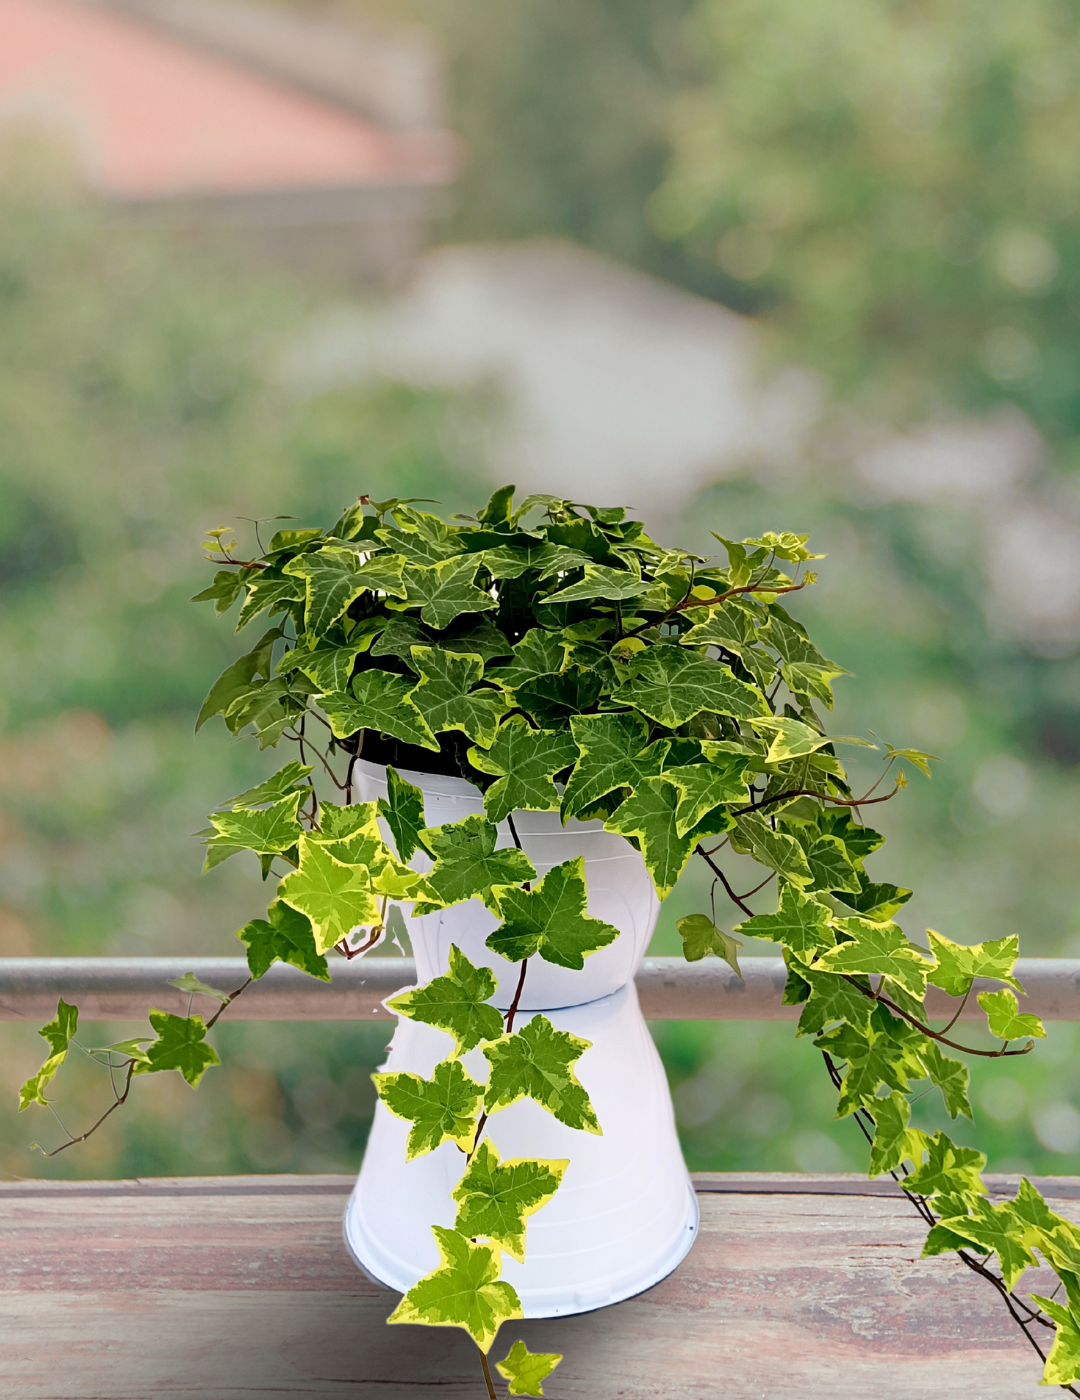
x,y
625,1214
619,892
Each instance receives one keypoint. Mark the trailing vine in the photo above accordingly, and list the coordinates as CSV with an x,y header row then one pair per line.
x,y
562,661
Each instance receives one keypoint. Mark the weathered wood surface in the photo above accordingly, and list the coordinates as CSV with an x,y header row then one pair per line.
x,y
233,1288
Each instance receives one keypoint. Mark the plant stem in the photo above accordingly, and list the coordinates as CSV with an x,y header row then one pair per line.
x,y
723,880
487,1376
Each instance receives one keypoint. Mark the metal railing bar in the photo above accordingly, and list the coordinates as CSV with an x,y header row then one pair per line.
x,y
121,989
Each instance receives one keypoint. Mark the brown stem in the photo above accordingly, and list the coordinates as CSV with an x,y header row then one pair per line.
x,y
487,1377
809,792
723,880
117,1101
517,997
926,1030
232,997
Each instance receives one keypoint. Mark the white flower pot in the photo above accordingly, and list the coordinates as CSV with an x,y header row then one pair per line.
x,y
620,893
625,1214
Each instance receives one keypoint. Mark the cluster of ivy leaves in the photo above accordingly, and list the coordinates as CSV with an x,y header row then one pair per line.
x,y
562,660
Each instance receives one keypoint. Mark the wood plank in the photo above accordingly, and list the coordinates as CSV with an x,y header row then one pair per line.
x,y
228,1288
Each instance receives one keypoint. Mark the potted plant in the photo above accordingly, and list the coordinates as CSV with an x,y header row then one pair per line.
x,y
530,721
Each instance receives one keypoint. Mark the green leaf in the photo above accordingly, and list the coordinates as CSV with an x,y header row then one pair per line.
x,y
894,1142
497,511
774,849
467,863
464,1291
525,760
58,1033
951,1077
265,830
268,592
224,590
601,582
539,653
649,816
472,636
860,841
878,903
830,867
995,1228
285,935
495,1198
805,679
333,578
525,1369
418,549
877,1053
551,920
793,739
399,638
446,591
832,999
704,786
613,752
403,808
552,700
958,965
536,1062
329,668
1005,1019
922,761
948,1170
456,1002
379,701
336,897
235,681
672,686
280,785
701,936
800,923
190,983
1063,1364
180,1045
441,1109
880,949
446,699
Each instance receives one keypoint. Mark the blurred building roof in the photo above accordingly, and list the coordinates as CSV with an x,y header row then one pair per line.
x,y
236,112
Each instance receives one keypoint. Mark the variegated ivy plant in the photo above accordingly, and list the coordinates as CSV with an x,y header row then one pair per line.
x,y
561,660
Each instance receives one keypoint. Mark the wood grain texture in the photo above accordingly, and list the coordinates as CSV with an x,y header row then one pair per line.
x,y
232,1288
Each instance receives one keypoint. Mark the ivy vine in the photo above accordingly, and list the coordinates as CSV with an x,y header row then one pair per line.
x,y
558,658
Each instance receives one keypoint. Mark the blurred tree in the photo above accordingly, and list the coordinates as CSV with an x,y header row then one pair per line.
x,y
897,183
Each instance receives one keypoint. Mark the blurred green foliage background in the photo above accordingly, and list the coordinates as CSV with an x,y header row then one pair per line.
x,y
892,190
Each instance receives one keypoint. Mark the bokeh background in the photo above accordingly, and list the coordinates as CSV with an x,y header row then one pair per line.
x,y
738,265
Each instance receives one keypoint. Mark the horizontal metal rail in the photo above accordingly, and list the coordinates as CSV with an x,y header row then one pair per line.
x,y
121,989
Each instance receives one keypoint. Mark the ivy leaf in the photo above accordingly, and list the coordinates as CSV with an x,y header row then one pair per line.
x,y
446,591
441,1109
333,579
672,686
774,849
876,1055
536,1062
525,1369
1063,1364
336,897
830,867
552,700
701,936
613,752
922,761
881,949
894,1142
958,965
236,680
190,983
223,592
539,653
59,1033
473,636
789,638
649,816
399,638
329,668
948,1170
793,739
800,923
704,786
805,679
997,1229
878,903
551,920
1005,1019
464,1291
1037,1217
446,699
420,549
951,1077
180,1045
268,592
859,841
266,830
524,760
456,1002
601,582
403,808
285,935
832,999
467,863
275,788
495,1198
379,701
